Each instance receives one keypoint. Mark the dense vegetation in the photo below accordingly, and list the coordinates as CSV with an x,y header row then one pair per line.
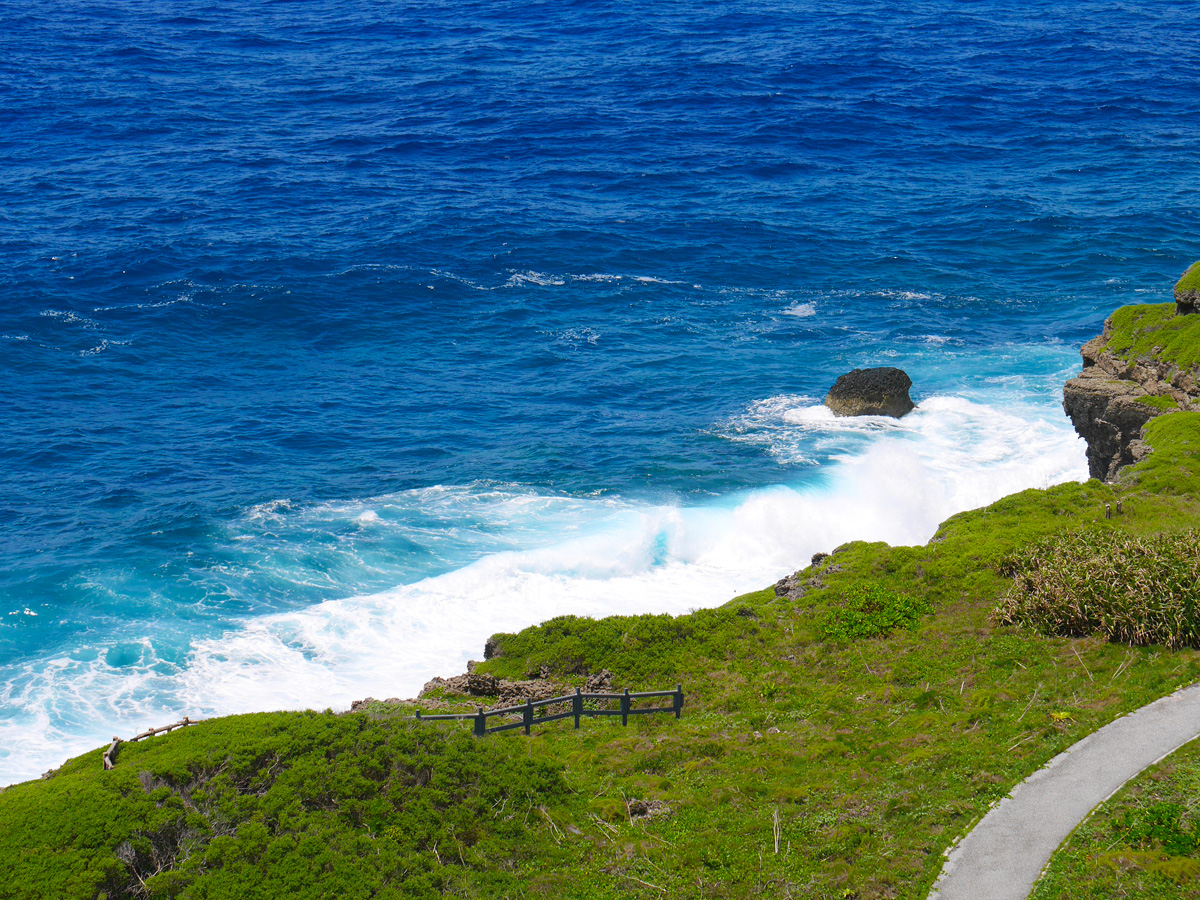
x,y
832,745
1139,589
1154,331
1190,280
297,805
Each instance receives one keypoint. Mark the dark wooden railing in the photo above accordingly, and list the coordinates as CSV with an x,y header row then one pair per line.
x,y
577,711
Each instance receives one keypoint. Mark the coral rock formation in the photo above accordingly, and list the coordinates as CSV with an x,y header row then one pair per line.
x,y
871,392
1113,398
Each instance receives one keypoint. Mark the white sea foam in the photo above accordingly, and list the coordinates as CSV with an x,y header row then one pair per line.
x,y
524,556
104,344
583,334
161,304
68,316
541,279
550,279
801,310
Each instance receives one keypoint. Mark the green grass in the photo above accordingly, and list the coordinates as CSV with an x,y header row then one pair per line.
x,y
1154,331
1159,401
1143,842
868,724
870,609
1171,477
1190,280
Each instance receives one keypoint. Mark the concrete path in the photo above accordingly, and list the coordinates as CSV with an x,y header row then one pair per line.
x,y
1002,857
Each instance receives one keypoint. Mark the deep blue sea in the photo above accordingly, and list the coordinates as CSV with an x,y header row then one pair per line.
x,y
336,336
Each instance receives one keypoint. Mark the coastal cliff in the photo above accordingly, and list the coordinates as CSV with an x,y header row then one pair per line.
x,y
1143,365
842,729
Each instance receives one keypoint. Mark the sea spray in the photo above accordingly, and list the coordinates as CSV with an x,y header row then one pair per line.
x,y
498,558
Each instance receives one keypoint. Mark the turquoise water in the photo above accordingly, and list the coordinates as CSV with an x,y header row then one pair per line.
x,y
336,337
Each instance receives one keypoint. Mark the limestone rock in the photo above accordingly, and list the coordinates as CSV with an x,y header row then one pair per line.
x,y
1111,400
469,684
1187,291
647,809
514,693
599,683
1108,414
871,392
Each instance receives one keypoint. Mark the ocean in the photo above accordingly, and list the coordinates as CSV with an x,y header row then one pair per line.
x,y
336,337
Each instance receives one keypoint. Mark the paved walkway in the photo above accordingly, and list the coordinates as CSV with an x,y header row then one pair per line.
x,y
1002,857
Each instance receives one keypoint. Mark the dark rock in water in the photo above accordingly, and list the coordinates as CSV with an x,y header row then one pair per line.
x,y
871,392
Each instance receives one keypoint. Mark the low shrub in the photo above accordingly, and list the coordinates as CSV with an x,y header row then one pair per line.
x,y
1133,589
1160,826
869,609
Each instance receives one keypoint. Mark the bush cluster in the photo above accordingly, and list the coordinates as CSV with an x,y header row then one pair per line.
x,y
870,609
1160,826
1137,590
298,805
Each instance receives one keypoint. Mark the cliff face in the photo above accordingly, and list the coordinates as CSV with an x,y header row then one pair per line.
x,y
1115,396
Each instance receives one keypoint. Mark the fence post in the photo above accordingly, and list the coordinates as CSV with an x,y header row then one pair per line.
x,y
677,700
577,705
480,722
625,708
110,755
418,716
527,713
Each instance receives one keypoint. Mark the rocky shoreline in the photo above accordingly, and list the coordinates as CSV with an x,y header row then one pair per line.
x,y
1113,398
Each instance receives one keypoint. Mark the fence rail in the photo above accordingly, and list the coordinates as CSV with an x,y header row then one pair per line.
x,y
577,711
110,755
526,711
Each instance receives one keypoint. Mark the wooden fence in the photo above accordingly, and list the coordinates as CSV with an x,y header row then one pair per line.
x,y
480,717
577,711
110,755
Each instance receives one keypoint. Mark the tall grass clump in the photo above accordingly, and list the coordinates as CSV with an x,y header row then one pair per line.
x,y
1137,590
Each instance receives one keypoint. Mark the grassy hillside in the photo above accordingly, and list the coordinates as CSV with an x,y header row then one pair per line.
x,y
832,746
1154,331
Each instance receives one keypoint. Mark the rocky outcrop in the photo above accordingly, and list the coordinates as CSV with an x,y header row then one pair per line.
x,y
871,392
1112,399
511,693
1187,291
495,691
795,586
